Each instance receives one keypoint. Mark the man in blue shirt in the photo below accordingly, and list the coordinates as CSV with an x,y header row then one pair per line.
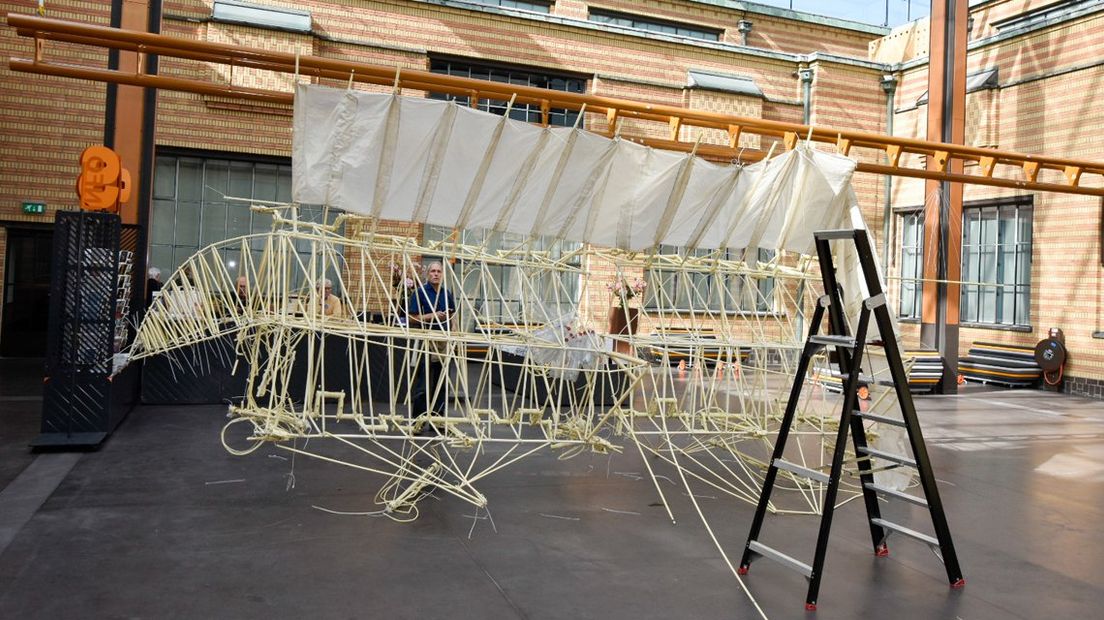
x,y
431,306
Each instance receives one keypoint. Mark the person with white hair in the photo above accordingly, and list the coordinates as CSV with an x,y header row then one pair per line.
x,y
153,285
430,307
331,304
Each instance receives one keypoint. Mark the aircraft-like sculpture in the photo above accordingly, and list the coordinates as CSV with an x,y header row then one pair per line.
x,y
525,360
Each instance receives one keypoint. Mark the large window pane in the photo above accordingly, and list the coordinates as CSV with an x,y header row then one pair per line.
x,y
498,292
912,264
164,178
996,255
200,201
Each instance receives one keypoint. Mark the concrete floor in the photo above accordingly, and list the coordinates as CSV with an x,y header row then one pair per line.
x,y
161,522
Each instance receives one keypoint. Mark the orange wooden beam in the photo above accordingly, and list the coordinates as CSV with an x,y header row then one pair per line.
x,y
1026,167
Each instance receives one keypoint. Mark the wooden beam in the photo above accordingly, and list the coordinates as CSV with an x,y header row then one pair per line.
x,y
845,140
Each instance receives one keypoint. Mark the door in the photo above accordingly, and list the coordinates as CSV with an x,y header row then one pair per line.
x,y
26,292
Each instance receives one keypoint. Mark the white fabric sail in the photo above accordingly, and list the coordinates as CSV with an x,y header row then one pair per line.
x,y
436,162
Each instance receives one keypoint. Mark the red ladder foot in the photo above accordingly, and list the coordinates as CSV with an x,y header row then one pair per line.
x,y
810,606
881,550
959,584
743,570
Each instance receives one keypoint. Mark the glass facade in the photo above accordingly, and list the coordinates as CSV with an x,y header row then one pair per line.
x,y
200,200
529,5
498,291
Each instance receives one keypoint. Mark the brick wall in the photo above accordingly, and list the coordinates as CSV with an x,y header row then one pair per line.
x,y
46,122
1046,105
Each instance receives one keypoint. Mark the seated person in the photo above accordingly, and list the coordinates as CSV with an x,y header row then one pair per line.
x,y
243,292
153,285
331,304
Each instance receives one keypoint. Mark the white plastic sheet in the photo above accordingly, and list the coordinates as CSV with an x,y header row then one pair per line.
x,y
436,162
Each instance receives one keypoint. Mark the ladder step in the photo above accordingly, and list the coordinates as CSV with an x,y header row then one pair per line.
x,y
835,341
872,381
878,418
847,233
811,474
867,380
894,458
906,531
912,499
781,558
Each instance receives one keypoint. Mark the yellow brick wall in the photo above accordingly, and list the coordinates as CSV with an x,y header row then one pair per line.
x,y
724,103
46,122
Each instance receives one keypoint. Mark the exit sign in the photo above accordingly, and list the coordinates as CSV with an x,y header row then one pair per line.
x,y
34,208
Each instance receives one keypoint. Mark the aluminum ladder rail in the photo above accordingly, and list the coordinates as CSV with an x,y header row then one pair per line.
x,y
850,351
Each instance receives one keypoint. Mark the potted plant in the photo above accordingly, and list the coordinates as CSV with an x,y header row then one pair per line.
x,y
623,317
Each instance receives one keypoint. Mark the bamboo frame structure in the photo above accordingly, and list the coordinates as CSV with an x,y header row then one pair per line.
x,y
1017,170
549,382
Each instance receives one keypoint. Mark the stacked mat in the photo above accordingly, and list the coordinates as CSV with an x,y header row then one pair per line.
x,y
927,369
1000,364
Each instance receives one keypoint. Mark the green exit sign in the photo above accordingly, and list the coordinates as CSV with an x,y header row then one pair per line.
x,y
34,208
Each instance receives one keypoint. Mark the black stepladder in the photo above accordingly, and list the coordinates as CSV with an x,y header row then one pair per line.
x,y
849,357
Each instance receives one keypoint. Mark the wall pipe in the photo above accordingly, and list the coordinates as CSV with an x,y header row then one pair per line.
x,y
889,85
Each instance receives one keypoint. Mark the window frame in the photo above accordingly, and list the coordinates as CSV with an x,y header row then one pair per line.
x,y
536,6
973,312
536,77
204,204
917,275
508,305
668,280
656,25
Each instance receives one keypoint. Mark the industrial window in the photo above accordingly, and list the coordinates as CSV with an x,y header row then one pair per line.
x,y
192,206
678,290
529,5
654,25
996,263
530,112
498,292
912,264
278,18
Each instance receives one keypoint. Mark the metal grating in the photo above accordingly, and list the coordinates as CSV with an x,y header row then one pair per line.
x,y
84,281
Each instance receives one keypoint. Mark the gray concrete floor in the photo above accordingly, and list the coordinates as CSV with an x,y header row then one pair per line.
x,y
162,523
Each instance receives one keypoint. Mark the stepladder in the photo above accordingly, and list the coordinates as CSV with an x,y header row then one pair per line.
x,y
848,348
